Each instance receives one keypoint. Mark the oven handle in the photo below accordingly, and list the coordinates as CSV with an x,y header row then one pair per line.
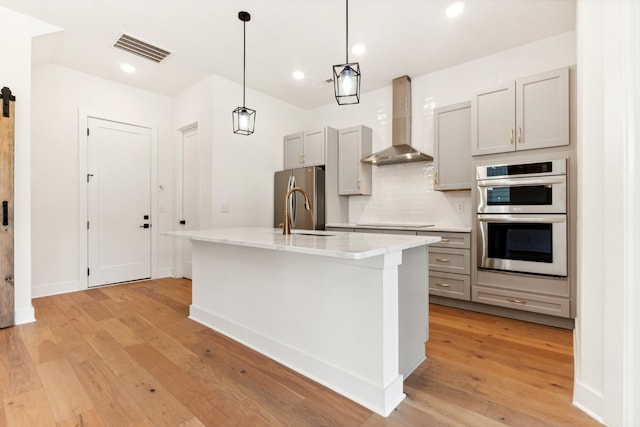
x,y
519,218
521,182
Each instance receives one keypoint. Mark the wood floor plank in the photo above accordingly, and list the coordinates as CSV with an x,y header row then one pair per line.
x,y
65,393
160,406
21,375
140,362
29,409
40,343
86,419
109,399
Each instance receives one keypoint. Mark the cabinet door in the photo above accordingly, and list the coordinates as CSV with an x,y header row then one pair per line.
x,y
542,110
314,148
293,145
452,147
493,120
354,177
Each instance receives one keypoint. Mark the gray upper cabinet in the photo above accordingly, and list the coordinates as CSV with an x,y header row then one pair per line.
x,y
304,149
354,177
452,155
530,113
542,113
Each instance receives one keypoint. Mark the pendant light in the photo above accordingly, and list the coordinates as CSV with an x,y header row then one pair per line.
x,y
346,77
244,119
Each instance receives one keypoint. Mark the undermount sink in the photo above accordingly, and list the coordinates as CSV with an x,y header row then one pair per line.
x,y
317,233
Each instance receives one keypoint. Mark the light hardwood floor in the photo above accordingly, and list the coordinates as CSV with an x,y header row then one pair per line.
x,y
128,355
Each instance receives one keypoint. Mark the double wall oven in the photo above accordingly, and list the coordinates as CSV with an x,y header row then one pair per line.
x,y
522,217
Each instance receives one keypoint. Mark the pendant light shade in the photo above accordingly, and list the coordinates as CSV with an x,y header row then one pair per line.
x,y
244,119
346,77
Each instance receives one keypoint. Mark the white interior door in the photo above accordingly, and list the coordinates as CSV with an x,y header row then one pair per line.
x,y
119,202
190,191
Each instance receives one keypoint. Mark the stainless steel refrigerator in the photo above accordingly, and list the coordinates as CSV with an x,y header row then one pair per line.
x,y
311,180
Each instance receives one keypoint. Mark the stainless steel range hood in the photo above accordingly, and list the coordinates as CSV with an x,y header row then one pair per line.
x,y
401,150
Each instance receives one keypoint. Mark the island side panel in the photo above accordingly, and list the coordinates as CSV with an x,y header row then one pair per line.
x,y
413,308
331,319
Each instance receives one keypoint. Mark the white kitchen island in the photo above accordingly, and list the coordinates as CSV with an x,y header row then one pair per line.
x,y
348,310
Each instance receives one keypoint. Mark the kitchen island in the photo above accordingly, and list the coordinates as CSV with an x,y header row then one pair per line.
x,y
348,310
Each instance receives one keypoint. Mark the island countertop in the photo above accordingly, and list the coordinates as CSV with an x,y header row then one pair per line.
x,y
323,243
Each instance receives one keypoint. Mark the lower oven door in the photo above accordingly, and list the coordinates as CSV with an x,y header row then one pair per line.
x,y
523,243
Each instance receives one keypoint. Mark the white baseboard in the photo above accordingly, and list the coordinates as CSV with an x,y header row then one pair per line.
x,y
56,288
24,315
588,401
165,272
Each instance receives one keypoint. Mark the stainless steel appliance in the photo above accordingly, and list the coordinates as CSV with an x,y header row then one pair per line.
x,y
311,180
522,217
523,188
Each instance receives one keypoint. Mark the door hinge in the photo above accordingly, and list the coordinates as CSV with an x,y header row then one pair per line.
x,y
87,225
87,131
88,272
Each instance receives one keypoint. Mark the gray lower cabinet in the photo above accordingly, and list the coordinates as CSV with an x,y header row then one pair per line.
x,y
450,265
544,295
449,260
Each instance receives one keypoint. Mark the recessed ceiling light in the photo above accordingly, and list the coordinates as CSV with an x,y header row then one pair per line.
x,y
455,9
298,75
358,49
128,68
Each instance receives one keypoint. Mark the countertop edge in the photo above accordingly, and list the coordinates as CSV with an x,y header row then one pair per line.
x,y
304,244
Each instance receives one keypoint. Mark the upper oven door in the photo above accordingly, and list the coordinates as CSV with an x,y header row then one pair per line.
x,y
546,194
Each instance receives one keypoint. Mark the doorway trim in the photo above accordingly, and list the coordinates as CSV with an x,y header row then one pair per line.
x,y
83,250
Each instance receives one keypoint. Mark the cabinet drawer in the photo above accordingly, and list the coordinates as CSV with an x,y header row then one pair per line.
x,y
450,285
449,239
522,301
450,260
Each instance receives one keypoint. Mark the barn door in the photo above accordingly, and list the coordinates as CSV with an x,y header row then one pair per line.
x,y
7,123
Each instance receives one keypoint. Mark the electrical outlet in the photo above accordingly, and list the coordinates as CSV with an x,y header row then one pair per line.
x,y
460,206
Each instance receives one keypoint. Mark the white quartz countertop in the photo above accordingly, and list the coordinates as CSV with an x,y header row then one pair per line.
x,y
323,243
408,227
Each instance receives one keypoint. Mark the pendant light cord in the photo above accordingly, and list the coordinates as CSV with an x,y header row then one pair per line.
x,y
244,59
347,41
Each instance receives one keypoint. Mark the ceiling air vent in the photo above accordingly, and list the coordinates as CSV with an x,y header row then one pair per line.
x,y
141,48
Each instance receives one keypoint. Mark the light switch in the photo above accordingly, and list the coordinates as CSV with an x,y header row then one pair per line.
x,y
224,207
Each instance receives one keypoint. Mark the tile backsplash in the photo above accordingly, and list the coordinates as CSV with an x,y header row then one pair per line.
x,y
404,194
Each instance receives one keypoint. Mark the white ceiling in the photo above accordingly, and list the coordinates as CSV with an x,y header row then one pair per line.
x,y
412,37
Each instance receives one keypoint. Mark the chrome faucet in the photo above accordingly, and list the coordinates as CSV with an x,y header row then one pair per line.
x,y
286,226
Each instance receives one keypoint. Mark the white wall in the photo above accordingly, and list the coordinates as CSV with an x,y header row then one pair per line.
x,y
404,193
236,170
606,335
58,94
16,32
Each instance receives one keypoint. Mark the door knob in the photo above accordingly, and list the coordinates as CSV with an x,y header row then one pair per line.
x,y
145,226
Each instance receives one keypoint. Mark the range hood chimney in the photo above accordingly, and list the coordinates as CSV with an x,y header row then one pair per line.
x,y
401,150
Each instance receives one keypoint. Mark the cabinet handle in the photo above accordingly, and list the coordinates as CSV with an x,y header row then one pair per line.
x,y
511,137
442,260
517,300
444,240
444,285
519,134
435,177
